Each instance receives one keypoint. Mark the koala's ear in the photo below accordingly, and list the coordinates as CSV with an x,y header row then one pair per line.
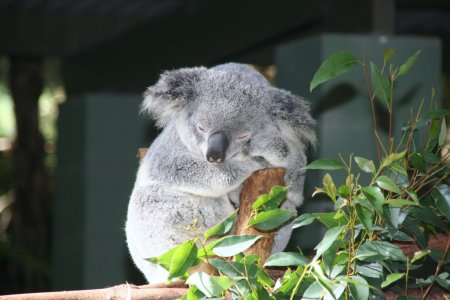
x,y
173,91
292,115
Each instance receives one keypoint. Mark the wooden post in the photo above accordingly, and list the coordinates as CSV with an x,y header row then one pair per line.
x,y
260,182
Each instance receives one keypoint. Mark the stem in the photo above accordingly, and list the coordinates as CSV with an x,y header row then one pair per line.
x,y
408,265
391,107
294,291
438,269
371,98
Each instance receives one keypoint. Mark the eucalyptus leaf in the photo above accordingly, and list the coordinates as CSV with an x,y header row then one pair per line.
x,y
372,270
323,164
304,219
364,216
271,219
234,244
387,55
337,64
366,165
331,219
184,257
418,162
375,196
359,288
443,133
442,203
223,227
374,251
327,241
211,286
286,259
391,278
387,184
380,85
428,216
408,64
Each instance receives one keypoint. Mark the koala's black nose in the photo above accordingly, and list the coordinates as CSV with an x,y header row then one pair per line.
x,y
217,146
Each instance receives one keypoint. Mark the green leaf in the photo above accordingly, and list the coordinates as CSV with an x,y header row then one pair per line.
x,y
364,216
223,227
428,216
399,202
331,219
234,244
437,113
419,254
164,259
314,291
375,196
359,288
375,251
443,133
408,64
276,195
387,184
234,269
193,294
391,278
372,270
286,259
184,257
387,55
271,219
400,168
330,187
380,85
365,164
337,64
304,219
211,286
324,164
330,236
418,162
262,199
442,203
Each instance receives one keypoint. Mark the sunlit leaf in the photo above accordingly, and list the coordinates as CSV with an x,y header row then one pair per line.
x,y
420,254
380,85
234,244
223,227
387,55
271,219
391,278
408,64
337,64
329,186
211,286
183,258
276,195
324,164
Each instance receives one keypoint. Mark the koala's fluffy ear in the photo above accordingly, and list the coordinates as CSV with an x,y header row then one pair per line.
x,y
173,91
292,114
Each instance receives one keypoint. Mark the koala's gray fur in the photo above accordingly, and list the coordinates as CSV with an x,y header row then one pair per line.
x,y
220,125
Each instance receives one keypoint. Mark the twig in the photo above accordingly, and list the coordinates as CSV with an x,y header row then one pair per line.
x,y
438,269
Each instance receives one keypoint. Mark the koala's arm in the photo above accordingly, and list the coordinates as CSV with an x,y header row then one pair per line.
x,y
278,151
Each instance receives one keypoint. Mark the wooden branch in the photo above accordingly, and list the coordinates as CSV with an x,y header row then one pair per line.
x,y
260,182
123,291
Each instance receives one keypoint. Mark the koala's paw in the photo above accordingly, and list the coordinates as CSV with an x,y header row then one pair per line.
x,y
295,197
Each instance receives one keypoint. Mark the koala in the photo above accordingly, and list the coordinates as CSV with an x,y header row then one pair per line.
x,y
218,126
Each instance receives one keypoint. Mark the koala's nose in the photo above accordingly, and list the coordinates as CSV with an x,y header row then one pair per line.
x,y
217,146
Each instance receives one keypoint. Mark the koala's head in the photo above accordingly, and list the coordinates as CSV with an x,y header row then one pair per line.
x,y
217,111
